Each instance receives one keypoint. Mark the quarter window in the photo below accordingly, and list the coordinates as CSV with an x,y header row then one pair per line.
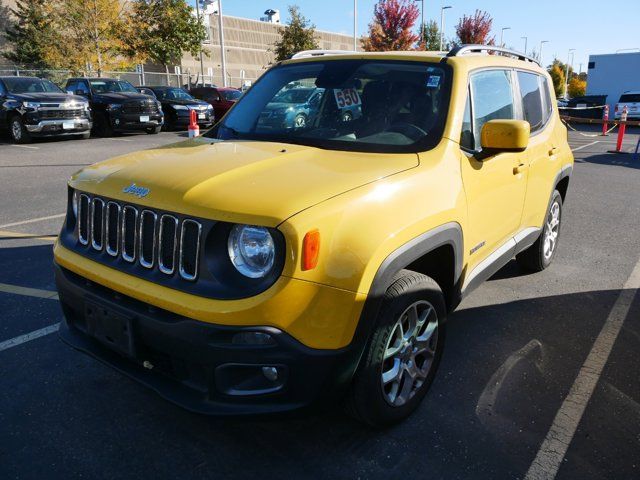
x,y
547,98
492,93
531,100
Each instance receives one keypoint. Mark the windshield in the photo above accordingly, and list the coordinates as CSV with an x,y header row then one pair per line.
x,y
172,94
231,95
111,86
30,85
379,106
630,98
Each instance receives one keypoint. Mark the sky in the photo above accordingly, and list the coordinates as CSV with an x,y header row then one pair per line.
x,y
585,25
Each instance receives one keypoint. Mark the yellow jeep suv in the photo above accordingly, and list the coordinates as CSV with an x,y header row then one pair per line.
x,y
272,264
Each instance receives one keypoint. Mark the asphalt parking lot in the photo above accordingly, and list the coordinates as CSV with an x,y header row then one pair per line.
x,y
521,352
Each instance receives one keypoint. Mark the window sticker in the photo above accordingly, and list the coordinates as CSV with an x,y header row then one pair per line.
x,y
434,81
346,98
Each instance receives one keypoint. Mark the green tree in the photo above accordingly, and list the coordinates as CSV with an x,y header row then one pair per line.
x,y
30,34
431,38
298,35
160,30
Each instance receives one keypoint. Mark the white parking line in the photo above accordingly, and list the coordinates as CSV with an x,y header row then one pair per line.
x,y
554,447
27,337
26,146
28,292
33,220
585,146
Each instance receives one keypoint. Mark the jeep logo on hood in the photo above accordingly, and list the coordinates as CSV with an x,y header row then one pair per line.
x,y
134,189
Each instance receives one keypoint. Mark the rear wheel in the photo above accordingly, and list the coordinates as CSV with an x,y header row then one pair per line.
x,y
403,353
540,255
17,130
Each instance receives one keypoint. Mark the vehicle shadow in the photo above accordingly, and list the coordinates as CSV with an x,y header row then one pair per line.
x,y
628,160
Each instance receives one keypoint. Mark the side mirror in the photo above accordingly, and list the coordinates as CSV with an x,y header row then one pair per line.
x,y
499,136
80,92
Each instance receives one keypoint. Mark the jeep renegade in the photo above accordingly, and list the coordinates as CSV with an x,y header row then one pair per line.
x,y
259,269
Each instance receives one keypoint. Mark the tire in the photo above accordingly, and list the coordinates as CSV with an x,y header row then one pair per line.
x,y
300,121
103,126
374,398
540,255
153,130
17,131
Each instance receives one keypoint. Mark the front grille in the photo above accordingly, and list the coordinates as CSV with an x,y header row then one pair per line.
x,y
60,114
140,236
143,106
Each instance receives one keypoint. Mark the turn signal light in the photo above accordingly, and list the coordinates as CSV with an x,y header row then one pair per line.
x,y
310,250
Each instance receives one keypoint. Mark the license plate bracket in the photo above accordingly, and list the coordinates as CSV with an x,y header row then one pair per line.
x,y
68,125
201,116
110,328
144,118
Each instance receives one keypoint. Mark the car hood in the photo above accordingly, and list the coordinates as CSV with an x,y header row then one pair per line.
x,y
282,106
120,97
47,97
185,102
259,183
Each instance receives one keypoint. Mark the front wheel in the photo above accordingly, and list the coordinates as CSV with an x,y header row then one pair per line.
x,y
300,121
403,353
540,255
17,130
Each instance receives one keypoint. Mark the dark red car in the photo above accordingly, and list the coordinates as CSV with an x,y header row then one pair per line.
x,y
221,98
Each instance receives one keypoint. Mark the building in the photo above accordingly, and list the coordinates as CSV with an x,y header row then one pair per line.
x,y
248,48
612,75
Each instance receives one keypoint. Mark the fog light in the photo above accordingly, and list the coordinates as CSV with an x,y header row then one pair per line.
x,y
270,373
117,121
252,338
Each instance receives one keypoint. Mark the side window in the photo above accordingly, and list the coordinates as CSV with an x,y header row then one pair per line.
x,y
492,93
82,86
466,136
531,100
72,87
547,97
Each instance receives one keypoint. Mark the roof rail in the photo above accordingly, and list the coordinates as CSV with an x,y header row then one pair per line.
x,y
465,49
319,53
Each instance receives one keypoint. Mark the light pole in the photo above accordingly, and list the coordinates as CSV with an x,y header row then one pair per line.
x,y
566,75
355,25
526,39
201,62
421,19
223,60
540,53
442,26
502,35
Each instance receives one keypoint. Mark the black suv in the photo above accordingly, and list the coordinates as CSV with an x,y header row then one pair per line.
x,y
177,105
31,107
117,106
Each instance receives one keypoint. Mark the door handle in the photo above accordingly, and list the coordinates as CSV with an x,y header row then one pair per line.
x,y
520,169
553,151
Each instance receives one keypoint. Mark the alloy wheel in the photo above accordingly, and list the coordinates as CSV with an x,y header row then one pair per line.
x,y
409,353
16,130
551,230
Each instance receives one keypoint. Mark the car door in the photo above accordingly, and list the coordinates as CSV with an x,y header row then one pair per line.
x,y
3,110
495,186
544,146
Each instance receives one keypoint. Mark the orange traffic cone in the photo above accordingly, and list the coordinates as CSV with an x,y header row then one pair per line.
x,y
194,130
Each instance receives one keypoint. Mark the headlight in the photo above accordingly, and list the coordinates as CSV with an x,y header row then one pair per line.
x,y
180,107
251,250
114,106
32,105
85,105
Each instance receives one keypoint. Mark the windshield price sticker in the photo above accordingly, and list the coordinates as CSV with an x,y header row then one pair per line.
x,y
347,97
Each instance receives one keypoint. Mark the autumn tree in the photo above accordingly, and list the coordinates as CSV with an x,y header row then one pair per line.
x,y
577,87
92,36
557,77
298,35
30,35
431,38
475,29
391,28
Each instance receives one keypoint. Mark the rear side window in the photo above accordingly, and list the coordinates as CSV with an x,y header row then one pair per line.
x,y
547,97
630,98
492,94
531,100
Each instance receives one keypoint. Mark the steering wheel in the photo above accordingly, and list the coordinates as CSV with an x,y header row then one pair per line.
x,y
408,130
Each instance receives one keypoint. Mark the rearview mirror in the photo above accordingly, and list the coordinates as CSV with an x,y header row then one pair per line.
x,y
500,136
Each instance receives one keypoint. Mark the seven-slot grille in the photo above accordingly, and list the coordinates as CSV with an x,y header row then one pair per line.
x,y
143,236
61,114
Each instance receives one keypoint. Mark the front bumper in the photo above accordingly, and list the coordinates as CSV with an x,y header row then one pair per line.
x,y
195,364
56,127
130,122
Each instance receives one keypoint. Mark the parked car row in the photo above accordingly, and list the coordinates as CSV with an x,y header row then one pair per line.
x,y
35,107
